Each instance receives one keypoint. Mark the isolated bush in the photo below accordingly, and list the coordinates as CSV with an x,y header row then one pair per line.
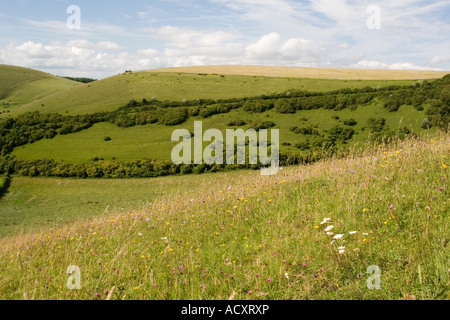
x,y
426,124
262,125
376,125
340,133
350,122
237,123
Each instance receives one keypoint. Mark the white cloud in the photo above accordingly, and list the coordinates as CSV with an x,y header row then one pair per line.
x,y
393,66
441,59
264,48
187,37
79,58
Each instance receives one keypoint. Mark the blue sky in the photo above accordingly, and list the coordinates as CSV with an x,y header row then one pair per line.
x,y
115,36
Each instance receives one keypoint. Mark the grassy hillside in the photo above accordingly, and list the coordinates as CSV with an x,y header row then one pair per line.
x,y
19,86
254,237
111,93
310,73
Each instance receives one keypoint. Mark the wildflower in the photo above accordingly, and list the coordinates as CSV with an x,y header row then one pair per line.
x,y
391,206
250,292
353,232
341,251
97,294
269,280
338,236
325,220
329,228
286,275
352,171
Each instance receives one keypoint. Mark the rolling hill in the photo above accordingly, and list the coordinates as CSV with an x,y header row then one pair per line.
x,y
232,82
112,121
20,86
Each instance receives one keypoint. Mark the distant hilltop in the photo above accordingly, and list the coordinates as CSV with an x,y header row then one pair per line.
x,y
311,73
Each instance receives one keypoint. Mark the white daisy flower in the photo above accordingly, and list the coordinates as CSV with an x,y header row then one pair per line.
x,y
329,228
353,232
338,236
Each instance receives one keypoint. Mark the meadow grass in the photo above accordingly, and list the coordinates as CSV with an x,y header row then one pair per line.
x,y
153,141
33,204
255,237
111,93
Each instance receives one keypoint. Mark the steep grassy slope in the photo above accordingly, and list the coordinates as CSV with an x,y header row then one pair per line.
x,y
112,93
256,237
19,86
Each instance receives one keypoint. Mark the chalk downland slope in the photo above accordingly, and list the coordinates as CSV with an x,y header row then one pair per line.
x,y
19,86
215,82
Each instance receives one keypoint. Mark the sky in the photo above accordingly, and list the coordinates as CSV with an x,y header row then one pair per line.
x,y
99,39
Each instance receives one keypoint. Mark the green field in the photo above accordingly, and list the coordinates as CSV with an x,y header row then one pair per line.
x,y
41,203
114,92
20,86
154,141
